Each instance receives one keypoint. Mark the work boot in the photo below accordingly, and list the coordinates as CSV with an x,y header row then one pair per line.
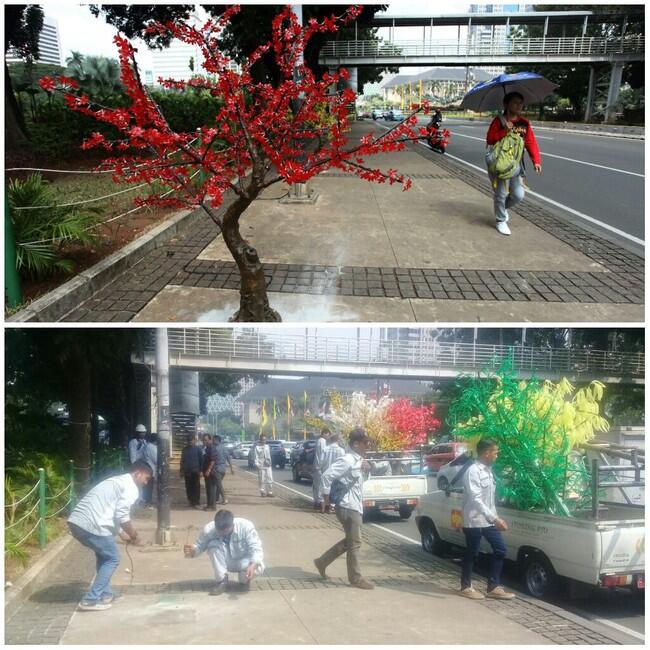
x,y
500,594
320,567
219,588
470,592
363,584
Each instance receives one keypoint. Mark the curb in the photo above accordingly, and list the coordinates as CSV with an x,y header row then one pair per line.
x,y
28,582
55,304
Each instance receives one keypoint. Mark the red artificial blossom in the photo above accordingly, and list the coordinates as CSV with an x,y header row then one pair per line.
x,y
262,135
414,424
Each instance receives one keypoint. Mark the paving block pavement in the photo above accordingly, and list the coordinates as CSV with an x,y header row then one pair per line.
x,y
164,596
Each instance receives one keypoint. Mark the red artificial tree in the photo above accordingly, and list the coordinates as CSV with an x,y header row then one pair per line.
x,y
413,423
262,135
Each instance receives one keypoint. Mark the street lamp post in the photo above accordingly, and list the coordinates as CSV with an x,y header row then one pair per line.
x,y
299,192
163,530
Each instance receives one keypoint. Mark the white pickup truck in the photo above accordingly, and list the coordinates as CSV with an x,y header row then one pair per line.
x,y
394,484
608,551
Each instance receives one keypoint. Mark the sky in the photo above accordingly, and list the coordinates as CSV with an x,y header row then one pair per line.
x,y
80,31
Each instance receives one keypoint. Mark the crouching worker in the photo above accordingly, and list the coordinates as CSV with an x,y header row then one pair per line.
x,y
95,521
232,543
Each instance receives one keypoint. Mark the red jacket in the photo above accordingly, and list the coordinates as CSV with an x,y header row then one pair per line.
x,y
522,126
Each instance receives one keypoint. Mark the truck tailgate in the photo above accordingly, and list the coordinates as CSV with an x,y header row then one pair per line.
x,y
623,548
396,487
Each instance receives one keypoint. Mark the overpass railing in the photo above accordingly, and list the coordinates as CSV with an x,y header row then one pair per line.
x,y
268,346
563,46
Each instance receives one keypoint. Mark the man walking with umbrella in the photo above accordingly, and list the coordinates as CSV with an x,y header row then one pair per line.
x,y
505,163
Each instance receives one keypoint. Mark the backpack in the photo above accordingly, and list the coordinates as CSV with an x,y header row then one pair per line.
x,y
338,490
503,158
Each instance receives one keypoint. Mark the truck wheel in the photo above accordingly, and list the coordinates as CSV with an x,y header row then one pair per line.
x,y
443,483
538,576
294,474
431,541
405,511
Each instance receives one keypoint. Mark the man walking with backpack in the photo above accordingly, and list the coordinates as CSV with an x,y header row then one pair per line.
x,y
505,137
342,484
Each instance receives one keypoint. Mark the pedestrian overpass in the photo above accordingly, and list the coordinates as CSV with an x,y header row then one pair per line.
x,y
273,352
606,55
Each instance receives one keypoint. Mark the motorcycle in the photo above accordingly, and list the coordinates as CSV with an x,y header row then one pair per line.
x,y
438,138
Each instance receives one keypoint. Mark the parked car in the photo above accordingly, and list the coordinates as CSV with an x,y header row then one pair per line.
x,y
241,450
278,457
443,453
288,448
378,113
395,115
302,461
447,472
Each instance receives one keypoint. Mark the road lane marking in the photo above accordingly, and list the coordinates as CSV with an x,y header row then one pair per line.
x,y
620,628
620,138
308,498
392,532
552,155
586,217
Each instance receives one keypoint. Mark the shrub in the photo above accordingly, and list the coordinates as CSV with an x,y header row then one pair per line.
x,y
39,233
186,111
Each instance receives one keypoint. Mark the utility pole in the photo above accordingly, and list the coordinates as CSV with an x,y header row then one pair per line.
x,y
163,530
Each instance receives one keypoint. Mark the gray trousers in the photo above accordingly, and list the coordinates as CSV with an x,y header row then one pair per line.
x,y
315,483
507,194
351,520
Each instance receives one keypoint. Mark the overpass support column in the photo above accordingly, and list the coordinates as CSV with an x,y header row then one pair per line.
x,y
353,81
614,89
591,93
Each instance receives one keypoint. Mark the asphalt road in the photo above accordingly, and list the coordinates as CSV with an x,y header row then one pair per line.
x,y
602,178
621,610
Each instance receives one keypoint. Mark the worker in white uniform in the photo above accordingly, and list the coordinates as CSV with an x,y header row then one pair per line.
x,y
95,520
137,444
333,452
264,465
232,543
316,472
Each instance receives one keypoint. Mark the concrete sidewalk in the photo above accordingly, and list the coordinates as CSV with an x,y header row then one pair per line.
x,y
165,596
367,252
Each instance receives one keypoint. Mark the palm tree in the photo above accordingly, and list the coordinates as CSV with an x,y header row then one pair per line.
x,y
98,76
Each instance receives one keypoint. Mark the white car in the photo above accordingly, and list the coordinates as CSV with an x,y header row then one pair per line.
x,y
241,451
288,448
447,472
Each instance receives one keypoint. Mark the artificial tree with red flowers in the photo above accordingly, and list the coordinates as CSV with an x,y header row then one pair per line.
x,y
413,424
262,135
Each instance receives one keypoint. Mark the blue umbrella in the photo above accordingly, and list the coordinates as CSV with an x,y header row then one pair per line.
x,y
488,95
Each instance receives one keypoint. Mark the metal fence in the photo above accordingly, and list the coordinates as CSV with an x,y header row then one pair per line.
x,y
564,46
270,346
27,515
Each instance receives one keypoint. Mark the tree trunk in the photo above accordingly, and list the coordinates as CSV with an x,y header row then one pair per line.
x,y
79,399
254,304
15,131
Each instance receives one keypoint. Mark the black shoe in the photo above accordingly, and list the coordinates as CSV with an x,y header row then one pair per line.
x,y
245,587
219,588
